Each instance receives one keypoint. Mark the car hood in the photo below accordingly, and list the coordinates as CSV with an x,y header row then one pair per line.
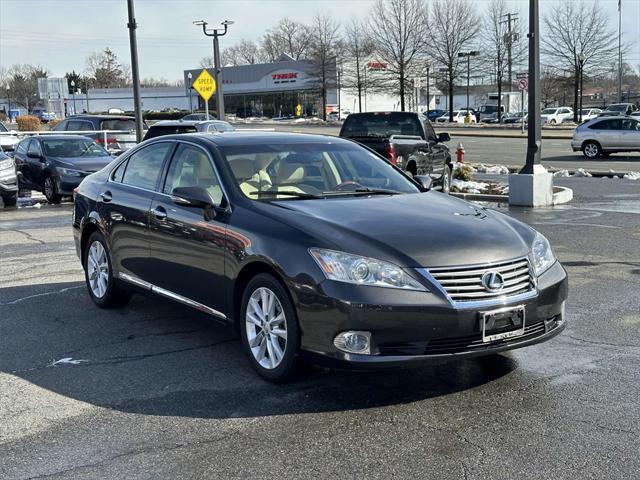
x,y
413,230
89,164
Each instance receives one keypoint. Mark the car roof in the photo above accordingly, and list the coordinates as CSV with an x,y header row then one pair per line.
x,y
173,123
61,137
257,138
102,117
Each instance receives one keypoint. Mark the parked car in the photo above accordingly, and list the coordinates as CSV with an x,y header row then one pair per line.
x,y
555,115
169,127
516,118
603,136
116,142
616,109
405,139
315,248
56,164
432,115
44,116
589,113
198,117
458,117
493,118
8,180
8,139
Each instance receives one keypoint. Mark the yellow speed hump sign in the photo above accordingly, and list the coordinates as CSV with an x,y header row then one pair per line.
x,y
205,85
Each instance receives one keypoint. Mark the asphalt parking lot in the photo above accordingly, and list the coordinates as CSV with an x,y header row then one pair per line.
x,y
158,390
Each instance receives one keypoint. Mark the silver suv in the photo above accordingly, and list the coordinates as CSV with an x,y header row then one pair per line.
x,y
603,136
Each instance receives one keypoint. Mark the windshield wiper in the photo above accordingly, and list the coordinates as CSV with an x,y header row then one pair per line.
x,y
289,193
363,191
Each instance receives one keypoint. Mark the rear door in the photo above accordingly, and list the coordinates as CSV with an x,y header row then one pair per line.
x,y
124,204
22,166
631,134
187,249
35,164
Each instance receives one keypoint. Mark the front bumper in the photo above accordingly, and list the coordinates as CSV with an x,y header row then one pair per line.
x,y
8,182
411,328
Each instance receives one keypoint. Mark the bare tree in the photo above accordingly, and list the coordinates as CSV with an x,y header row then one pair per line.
x,y
397,29
106,71
288,37
324,47
358,48
23,83
247,52
578,32
453,26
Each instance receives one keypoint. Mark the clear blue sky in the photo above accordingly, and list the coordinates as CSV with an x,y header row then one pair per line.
x,y
60,34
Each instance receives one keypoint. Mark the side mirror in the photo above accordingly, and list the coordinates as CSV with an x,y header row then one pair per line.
x,y
425,181
34,155
196,197
444,137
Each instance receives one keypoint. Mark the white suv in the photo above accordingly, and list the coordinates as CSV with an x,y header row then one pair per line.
x,y
556,115
458,116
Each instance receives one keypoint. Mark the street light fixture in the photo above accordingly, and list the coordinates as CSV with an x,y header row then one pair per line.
x,y
468,55
215,33
73,91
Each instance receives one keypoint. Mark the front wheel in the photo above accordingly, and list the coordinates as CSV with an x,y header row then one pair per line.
x,y
269,328
10,200
49,190
591,149
99,275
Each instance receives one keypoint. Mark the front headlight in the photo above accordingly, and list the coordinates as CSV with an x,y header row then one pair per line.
x,y
6,164
542,255
345,267
70,172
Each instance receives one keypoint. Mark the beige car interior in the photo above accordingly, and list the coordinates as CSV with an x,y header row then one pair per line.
x,y
192,168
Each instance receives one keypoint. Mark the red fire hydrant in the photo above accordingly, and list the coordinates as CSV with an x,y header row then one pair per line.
x,y
460,153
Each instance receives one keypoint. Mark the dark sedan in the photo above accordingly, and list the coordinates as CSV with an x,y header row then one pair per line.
x,y
315,247
56,164
169,127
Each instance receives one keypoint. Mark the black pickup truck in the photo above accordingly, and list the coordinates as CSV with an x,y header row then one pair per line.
x,y
406,139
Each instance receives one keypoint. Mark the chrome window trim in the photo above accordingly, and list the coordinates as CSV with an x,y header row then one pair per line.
x,y
171,295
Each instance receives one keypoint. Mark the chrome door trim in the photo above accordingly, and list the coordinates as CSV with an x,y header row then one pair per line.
x,y
171,295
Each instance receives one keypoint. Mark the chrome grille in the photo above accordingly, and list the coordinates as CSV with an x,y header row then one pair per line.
x,y
464,284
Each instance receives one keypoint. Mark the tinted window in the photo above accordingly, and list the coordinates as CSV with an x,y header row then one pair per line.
x,y
607,125
79,126
160,130
2,128
34,147
22,146
118,124
220,127
629,124
381,125
118,173
431,133
73,148
191,167
144,166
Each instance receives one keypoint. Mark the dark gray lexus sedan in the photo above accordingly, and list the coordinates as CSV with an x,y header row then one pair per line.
x,y
314,247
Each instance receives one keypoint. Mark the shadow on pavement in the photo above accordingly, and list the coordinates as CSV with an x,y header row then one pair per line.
x,y
154,357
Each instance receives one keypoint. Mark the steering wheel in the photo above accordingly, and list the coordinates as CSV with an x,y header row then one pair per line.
x,y
349,183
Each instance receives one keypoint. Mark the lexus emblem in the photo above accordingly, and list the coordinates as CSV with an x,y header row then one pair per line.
x,y
492,281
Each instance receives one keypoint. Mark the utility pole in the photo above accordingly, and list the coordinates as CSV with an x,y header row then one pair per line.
x,y
215,33
428,97
534,140
509,38
135,74
619,51
468,55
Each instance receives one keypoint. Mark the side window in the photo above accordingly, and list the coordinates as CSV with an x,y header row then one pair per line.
x,y
629,124
22,146
212,128
431,133
61,126
79,126
603,125
191,167
144,166
34,147
118,173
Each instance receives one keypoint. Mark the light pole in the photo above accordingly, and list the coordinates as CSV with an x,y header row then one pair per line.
x,y
580,72
534,138
189,76
73,91
215,33
135,74
9,102
468,55
428,97
619,51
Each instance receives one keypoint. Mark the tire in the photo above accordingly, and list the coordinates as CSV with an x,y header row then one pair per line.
x,y
412,169
446,179
102,288
273,356
552,121
591,149
49,190
10,200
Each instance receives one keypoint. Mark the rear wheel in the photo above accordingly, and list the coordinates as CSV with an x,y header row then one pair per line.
x,y
269,328
49,190
99,275
10,200
591,149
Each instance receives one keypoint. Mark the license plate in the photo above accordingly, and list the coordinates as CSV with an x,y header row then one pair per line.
x,y
502,324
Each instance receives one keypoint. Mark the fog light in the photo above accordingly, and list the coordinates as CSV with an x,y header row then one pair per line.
x,y
354,342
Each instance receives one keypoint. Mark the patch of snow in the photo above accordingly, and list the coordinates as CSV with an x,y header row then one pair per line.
x,y
632,176
67,361
461,165
581,172
562,173
493,169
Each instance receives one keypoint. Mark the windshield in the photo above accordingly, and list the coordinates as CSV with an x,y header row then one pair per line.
x,y
549,111
382,124
312,171
73,148
3,128
617,108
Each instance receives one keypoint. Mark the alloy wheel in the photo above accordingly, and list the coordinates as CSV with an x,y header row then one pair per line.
x,y
266,328
97,269
48,188
591,150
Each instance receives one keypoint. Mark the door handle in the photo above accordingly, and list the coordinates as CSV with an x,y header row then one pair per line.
x,y
106,196
159,212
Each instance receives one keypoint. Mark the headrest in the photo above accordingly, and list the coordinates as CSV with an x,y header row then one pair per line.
x,y
242,168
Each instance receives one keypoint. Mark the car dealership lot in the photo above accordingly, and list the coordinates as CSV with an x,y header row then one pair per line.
x,y
159,390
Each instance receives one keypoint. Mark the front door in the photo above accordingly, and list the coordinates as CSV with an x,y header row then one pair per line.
x,y
187,248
